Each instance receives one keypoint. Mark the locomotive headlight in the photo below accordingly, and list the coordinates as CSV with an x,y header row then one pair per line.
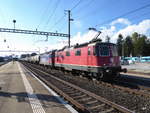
x,y
111,60
107,70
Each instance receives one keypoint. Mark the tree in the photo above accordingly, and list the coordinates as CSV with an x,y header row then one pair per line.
x,y
140,45
120,44
135,45
146,51
128,46
134,37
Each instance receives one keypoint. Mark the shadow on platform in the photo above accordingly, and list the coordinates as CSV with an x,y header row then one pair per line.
x,y
15,73
23,97
18,73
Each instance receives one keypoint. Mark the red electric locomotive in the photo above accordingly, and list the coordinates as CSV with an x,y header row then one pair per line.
x,y
95,59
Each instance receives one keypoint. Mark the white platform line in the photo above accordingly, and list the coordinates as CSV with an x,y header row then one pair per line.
x,y
69,107
33,99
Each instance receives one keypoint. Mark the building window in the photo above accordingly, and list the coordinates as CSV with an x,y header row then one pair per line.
x,y
78,52
67,53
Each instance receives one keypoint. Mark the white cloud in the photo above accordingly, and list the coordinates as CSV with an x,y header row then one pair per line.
x,y
107,32
121,21
83,38
142,28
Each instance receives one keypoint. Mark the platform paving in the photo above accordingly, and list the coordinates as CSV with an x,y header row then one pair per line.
x,y
138,67
138,70
20,92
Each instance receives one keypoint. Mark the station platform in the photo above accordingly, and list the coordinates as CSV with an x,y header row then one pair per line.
x,y
138,67
138,70
21,92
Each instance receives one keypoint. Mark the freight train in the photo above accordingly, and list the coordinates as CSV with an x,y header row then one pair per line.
x,y
95,59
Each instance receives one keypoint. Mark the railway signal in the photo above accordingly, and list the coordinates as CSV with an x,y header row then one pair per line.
x,y
14,21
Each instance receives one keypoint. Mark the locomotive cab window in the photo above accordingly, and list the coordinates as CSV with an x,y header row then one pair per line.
x,y
67,53
78,52
103,50
114,50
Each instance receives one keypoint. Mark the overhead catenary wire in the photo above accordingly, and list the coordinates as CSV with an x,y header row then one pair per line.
x,y
53,12
58,21
43,14
78,3
87,5
61,26
123,15
139,16
61,18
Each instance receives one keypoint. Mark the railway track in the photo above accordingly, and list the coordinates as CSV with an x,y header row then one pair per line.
x,y
134,85
130,87
82,99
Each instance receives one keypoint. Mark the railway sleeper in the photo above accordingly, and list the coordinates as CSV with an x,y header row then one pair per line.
x,y
92,102
66,89
83,99
77,93
96,106
80,96
71,92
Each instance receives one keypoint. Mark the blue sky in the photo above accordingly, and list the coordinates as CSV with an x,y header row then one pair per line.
x,y
43,14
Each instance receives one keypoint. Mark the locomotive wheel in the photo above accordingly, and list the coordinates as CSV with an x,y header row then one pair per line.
x,y
94,75
117,75
100,76
103,76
